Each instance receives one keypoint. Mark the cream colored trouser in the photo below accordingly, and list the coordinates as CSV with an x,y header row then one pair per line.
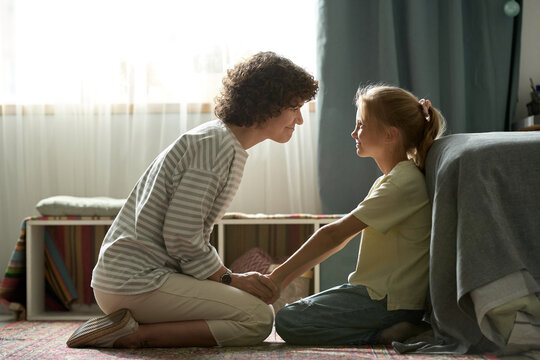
x,y
234,317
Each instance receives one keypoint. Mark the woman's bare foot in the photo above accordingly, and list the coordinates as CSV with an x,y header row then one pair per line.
x,y
400,332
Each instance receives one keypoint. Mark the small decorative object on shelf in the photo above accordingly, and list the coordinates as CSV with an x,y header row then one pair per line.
x,y
531,122
533,108
528,123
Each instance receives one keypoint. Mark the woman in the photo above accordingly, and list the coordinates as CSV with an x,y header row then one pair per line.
x,y
158,279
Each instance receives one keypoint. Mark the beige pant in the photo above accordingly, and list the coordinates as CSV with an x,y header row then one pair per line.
x,y
234,317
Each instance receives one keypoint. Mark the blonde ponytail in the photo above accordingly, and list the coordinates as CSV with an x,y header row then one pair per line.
x,y
434,128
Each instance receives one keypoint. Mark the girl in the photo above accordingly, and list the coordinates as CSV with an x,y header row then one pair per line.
x,y
384,298
158,278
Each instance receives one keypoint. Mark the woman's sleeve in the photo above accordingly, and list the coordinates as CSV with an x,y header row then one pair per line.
x,y
183,228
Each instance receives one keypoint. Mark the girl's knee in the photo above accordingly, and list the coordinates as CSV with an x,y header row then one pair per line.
x,y
289,323
294,314
282,318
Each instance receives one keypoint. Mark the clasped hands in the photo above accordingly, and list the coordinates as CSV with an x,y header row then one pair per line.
x,y
262,286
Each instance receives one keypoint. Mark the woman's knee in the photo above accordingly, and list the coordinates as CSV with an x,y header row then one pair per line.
x,y
254,330
262,323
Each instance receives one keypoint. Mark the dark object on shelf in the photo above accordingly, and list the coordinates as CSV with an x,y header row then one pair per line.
x,y
533,108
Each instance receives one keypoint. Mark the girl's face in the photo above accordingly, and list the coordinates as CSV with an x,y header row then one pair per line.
x,y
281,127
368,134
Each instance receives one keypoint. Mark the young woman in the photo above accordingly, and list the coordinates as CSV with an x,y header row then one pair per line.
x,y
158,279
384,298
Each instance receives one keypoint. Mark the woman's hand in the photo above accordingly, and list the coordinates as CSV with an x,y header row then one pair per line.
x,y
257,285
277,283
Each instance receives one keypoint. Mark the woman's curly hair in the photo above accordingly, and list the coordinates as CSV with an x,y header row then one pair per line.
x,y
261,87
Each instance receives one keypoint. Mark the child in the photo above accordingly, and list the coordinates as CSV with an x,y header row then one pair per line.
x,y
384,298
158,278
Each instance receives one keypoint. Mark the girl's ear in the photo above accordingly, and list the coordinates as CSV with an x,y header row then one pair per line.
x,y
392,134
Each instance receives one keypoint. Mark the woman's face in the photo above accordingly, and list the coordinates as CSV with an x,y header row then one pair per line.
x,y
368,135
280,128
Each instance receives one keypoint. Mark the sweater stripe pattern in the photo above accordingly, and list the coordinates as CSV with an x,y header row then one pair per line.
x,y
165,225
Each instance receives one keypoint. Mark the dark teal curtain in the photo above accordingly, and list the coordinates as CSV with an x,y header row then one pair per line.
x,y
463,55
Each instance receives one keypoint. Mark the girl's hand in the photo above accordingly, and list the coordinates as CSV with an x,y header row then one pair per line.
x,y
257,285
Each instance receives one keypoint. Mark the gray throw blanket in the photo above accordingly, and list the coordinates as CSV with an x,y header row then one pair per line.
x,y
485,189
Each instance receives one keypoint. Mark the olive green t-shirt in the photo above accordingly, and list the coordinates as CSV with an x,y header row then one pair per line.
x,y
393,259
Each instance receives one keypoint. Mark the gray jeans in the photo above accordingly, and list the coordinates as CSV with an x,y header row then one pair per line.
x,y
343,315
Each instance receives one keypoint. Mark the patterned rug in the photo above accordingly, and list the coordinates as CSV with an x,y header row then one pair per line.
x,y
45,340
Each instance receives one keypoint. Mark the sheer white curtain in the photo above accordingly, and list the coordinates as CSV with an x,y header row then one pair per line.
x,y
92,91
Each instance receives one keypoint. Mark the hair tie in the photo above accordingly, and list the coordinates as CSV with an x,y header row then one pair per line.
x,y
426,105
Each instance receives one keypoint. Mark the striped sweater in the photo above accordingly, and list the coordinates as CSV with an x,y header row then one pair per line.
x,y
165,224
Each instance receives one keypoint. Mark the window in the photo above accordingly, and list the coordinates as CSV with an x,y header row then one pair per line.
x,y
129,52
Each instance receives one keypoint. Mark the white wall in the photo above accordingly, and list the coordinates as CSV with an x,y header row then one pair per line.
x,y
530,55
